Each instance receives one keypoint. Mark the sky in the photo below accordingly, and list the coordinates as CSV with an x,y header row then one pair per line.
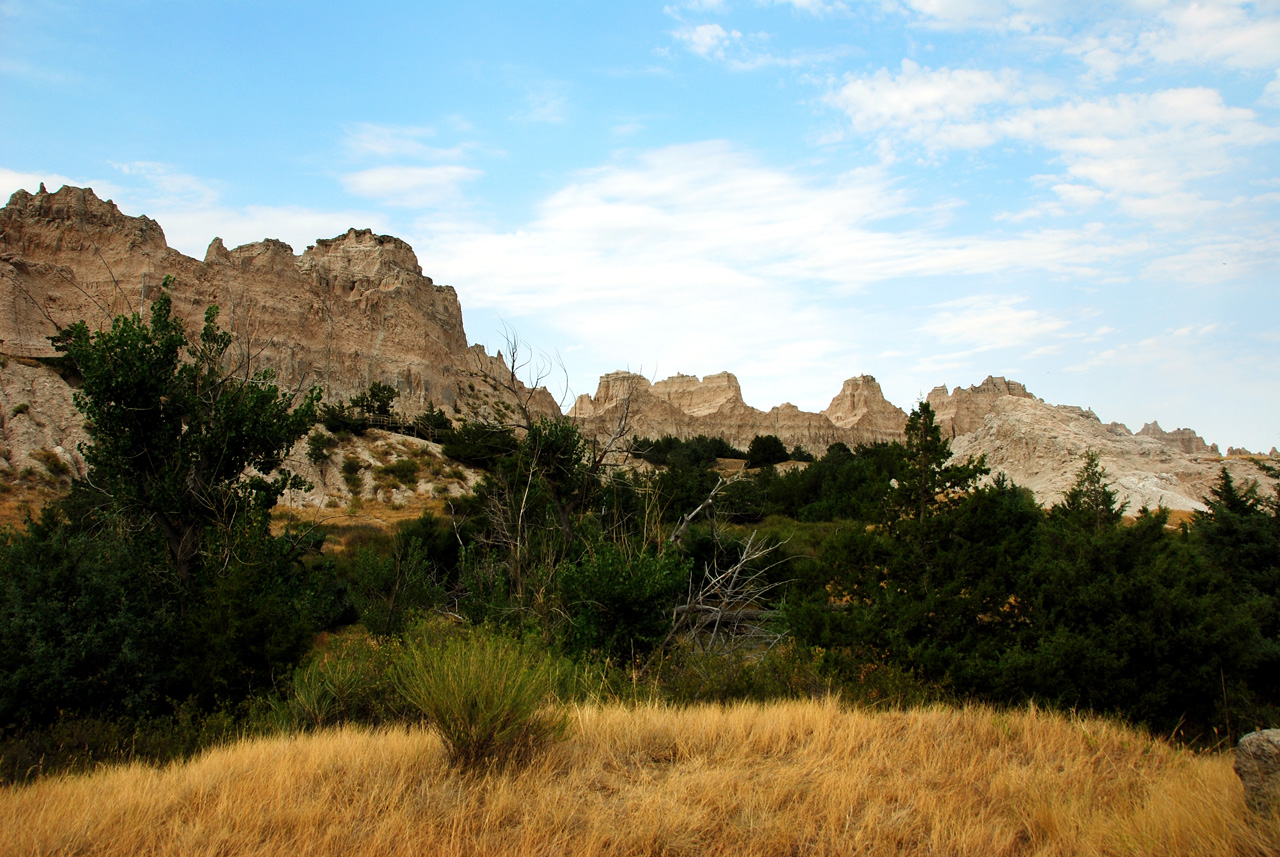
x,y
1081,196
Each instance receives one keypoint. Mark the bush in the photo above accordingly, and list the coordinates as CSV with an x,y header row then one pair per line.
x,y
347,679
319,446
480,444
620,605
484,696
766,449
401,472
353,475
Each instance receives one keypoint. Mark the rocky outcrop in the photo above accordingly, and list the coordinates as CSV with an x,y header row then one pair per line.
x,y
685,407
860,404
1183,439
1257,763
348,311
964,409
1039,446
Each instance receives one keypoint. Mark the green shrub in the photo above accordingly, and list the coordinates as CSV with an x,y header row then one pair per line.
x,y
766,449
353,475
402,472
619,604
21,408
485,696
347,679
56,466
319,446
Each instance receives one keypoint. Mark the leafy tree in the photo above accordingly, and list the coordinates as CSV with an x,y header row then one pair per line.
x,y
766,449
376,401
185,444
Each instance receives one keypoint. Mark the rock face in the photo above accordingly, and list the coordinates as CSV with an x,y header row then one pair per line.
x,y
1039,446
1181,438
686,407
1258,766
964,409
860,404
349,311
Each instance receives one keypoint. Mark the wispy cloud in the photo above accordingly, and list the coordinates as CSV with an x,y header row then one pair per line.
x,y
988,322
412,186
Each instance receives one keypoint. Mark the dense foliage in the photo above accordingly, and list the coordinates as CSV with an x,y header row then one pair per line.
x,y
156,592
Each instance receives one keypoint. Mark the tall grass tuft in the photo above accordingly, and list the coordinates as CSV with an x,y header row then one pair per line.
x,y
489,698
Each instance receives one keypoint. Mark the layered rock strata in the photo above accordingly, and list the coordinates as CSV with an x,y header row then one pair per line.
x,y
1040,446
686,407
1183,439
346,312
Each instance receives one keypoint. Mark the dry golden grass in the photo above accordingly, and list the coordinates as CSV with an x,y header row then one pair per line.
x,y
794,778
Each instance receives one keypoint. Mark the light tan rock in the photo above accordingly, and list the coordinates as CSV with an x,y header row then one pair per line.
x,y
685,407
1039,446
861,404
963,410
348,311
1180,438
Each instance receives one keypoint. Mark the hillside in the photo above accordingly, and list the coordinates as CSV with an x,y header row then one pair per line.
x,y
787,778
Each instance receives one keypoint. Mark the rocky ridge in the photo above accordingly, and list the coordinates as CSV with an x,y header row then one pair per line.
x,y
348,311
685,407
357,308
1037,445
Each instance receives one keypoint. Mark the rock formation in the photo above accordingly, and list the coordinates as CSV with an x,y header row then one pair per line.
x,y
1039,446
357,308
964,409
349,311
685,407
1180,438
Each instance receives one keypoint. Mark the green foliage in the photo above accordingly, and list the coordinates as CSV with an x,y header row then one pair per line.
x,y
20,409
341,418
376,400
348,679
618,603
320,446
89,623
487,697
386,588
432,424
172,438
691,674
401,472
479,444
766,449
353,474
928,483
671,451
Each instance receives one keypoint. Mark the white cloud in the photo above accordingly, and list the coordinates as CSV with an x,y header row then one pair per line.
x,y
1271,94
419,187
191,229
814,7
364,139
936,108
707,40
702,256
1235,34
12,181
170,185
1143,151
546,101
987,322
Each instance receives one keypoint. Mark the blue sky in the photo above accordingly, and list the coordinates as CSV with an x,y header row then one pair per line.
x,y
1084,197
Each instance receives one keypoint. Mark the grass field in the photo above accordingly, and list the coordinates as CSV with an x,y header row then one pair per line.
x,y
790,778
